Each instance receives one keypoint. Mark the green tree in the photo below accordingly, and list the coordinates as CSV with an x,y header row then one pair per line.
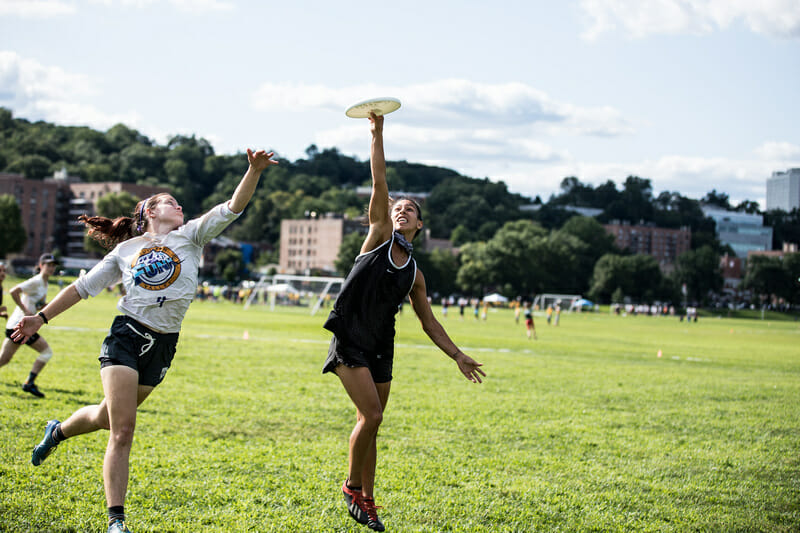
x,y
700,271
348,251
785,226
597,242
117,204
636,276
440,268
768,277
474,272
229,264
11,227
33,167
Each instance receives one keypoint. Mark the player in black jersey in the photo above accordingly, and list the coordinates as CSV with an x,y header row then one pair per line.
x,y
362,321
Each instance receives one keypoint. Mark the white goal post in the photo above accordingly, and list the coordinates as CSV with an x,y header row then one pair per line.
x,y
566,301
317,286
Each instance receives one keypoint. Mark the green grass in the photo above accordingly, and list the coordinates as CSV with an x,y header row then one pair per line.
x,y
585,429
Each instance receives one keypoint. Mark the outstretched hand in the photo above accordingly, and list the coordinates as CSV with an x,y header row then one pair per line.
x,y
470,368
261,159
376,122
26,328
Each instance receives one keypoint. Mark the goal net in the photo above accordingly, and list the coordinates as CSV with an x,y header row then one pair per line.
x,y
284,289
566,301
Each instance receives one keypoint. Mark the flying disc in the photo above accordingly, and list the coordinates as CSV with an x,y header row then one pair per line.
x,y
379,106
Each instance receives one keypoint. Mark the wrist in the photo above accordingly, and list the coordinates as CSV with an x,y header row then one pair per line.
x,y
41,315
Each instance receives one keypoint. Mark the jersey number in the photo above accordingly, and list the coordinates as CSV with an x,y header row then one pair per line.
x,y
161,300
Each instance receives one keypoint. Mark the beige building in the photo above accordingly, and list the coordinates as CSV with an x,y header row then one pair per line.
x,y
312,244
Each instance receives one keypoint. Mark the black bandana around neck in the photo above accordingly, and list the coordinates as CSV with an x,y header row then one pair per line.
x,y
401,240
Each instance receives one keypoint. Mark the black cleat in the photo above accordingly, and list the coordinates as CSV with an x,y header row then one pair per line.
x,y
354,504
46,447
33,389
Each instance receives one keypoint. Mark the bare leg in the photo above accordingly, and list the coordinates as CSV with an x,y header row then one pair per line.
x,y
93,417
121,387
368,471
7,351
40,345
369,405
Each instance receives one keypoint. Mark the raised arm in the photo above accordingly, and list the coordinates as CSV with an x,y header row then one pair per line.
x,y
30,324
419,301
380,225
244,191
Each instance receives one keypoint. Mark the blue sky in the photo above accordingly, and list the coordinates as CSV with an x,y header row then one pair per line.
x,y
692,94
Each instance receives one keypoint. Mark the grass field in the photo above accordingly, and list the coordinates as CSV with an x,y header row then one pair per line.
x,y
585,429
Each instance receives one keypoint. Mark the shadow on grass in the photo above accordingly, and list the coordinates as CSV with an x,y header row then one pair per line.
x,y
68,396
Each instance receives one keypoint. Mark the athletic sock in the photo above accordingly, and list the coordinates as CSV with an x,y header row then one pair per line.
x,y
116,512
57,434
31,378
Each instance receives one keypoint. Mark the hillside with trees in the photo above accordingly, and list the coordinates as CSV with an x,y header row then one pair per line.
x,y
503,247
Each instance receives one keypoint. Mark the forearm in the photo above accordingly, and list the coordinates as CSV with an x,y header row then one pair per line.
x,y
379,201
244,191
440,338
64,300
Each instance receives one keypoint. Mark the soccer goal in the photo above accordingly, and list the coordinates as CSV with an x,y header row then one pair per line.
x,y
543,301
286,289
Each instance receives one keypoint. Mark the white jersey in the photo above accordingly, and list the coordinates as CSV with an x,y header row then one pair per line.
x,y
158,272
34,297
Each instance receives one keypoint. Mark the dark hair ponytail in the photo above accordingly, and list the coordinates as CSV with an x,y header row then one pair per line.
x,y
110,232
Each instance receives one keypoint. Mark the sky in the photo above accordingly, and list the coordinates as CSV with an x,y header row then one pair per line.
x,y
693,95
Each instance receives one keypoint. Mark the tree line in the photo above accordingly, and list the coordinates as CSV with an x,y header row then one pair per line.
x,y
503,247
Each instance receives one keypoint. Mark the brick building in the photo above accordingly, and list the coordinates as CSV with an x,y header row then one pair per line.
x,y
662,243
50,208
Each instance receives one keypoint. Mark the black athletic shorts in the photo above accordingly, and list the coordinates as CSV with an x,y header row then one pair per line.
x,y
136,346
31,340
379,365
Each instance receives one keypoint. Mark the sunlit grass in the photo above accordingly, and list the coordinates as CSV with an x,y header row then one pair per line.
x,y
585,429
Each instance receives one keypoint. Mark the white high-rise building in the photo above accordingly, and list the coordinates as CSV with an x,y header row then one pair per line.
x,y
783,190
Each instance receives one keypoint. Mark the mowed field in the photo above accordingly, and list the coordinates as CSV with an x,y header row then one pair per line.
x,y
584,429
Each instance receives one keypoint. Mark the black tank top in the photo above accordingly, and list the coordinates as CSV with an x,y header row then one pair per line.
x,y
363,314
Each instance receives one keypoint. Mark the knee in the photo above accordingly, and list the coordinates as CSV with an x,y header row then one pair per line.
x,y
372,419
122,434
45,355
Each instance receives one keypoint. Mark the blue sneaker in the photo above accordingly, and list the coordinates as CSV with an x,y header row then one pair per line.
x,y
118,526
46,447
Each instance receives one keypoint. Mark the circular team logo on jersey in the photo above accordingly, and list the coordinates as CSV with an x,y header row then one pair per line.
x,y
156,268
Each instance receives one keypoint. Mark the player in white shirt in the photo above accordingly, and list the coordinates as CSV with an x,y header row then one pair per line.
x,y
156,257
30,296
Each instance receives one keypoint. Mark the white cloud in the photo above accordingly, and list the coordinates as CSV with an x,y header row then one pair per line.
x,y
41,92
639,18
468,120
741,179
451,103
772,150
36,8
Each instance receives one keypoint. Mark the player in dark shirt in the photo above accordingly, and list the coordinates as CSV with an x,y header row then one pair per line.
x,y
362,320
